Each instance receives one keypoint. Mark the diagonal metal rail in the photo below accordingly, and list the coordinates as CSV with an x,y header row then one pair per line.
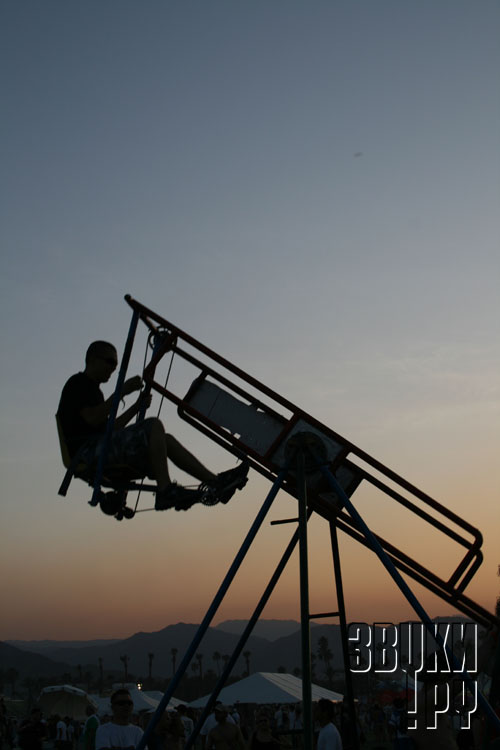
x,y
211,612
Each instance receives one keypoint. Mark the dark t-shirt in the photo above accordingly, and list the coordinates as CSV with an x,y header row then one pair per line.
x,y
78,393
31,735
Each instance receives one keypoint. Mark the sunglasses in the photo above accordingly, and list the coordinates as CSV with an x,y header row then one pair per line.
x,y
123,703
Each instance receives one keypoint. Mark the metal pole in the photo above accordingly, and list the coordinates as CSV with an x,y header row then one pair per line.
x,y
343,632
245,635
213,608
304,603
114,409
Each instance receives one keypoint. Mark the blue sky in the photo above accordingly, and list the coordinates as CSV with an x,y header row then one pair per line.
x,y
311,189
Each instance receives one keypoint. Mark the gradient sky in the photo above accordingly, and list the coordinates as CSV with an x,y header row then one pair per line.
x,y
312,190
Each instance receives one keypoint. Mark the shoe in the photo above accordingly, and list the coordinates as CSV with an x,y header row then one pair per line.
x,y
225,485
175,496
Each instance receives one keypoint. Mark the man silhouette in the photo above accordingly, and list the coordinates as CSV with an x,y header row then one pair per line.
x,y
142,446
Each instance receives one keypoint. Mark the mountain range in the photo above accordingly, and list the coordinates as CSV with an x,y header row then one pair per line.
x,y
274,645
267,654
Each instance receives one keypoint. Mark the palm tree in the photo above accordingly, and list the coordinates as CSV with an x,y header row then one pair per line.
x,y
125,660
173,651
11,676
150,665
101,674
247,655
325,655
313,666
217,657
30,684
200,659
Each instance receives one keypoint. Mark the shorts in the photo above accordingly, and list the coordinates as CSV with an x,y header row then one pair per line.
x,y
129,447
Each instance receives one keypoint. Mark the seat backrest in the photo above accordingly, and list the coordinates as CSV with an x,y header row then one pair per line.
x,y
66,458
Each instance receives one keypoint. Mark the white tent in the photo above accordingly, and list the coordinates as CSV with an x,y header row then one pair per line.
x,y
268,687
143,701
65,700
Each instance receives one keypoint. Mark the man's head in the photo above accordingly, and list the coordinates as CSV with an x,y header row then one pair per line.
x,y
101,360
325,711
221,713
262,718
122,706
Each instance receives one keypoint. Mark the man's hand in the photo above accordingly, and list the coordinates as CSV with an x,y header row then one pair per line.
x,y
144,400
131,385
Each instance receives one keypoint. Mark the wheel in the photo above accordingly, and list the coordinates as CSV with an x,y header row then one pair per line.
x,y
112,503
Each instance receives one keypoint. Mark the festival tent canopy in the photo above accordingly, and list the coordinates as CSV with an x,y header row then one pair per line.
x,y
143,701
268,687
157,695
65,700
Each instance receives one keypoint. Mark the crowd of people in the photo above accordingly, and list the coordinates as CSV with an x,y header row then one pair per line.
x,y
239,727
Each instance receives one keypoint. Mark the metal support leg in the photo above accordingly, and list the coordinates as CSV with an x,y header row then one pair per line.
x,y
304,605
213,609
343,632
245,636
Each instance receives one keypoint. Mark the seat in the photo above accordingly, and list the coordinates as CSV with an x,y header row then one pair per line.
x,y
117,476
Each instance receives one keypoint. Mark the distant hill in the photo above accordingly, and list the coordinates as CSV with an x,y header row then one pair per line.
x,y
42,647
271,630
265,655
280,649
28,663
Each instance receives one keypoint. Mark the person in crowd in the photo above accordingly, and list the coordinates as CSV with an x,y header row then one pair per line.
x,y
398,726
62,740
329,736
32,732
225,735
210,723
70,732
282,719
119,733
263,738
187,721
89,729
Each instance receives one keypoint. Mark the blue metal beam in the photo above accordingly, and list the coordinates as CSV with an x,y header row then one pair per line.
x,y
213,608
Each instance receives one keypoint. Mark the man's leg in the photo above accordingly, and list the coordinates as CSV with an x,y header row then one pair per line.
x,y
158,454
186,461
221,486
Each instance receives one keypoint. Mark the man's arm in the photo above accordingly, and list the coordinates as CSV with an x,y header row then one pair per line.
x,y
96,416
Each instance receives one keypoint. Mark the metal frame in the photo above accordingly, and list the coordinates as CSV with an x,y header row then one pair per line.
x,y
235,381
288,463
